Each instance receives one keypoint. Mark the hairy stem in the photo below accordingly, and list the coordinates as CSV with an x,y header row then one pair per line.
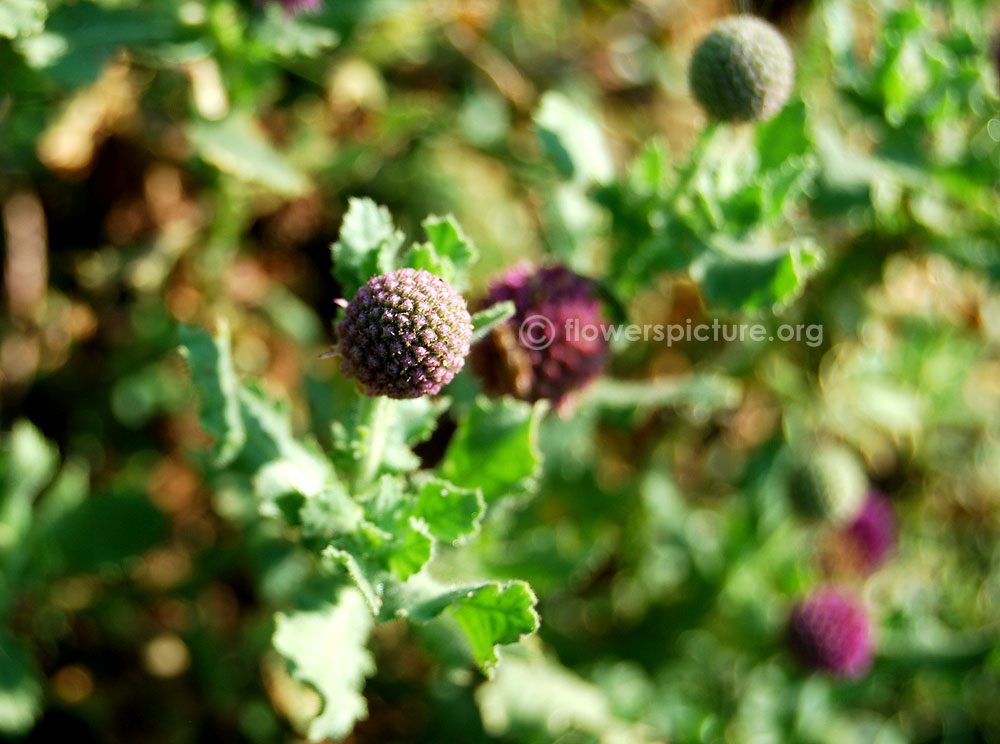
x,y
377,418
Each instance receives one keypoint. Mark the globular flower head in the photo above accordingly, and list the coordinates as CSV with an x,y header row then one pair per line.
x,y
405,334
828,482
742,70
554,344
829,631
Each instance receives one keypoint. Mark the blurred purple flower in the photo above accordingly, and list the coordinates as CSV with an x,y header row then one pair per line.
x,y
405,334
873,531
829,632
553,346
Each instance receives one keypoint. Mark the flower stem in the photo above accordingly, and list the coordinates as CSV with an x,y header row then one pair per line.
x,y
377,418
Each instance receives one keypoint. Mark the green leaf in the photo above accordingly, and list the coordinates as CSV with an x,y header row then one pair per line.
x,y
20,687
28,463
574,141
494,448
448,254
213,375
405,547
450,512
128,525
756,283
292,36
282,465
324,645
486,320
369,245
19,18
489,615
237,146
701,393
529,692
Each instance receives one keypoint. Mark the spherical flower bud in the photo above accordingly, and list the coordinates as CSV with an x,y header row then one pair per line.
x,y
553,346
830,632
742,71
828,483
405,334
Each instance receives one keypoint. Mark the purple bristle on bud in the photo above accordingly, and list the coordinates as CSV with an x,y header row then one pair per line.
x,y
829,632
873,532
405,334
554,344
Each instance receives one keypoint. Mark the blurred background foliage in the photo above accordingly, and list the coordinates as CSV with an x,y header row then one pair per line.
x,y
171,160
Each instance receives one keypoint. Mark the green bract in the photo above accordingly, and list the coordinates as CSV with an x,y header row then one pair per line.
x,y
742,71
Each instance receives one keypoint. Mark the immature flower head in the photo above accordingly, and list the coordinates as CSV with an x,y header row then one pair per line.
x,y
828,482
829,632
743,70
553,345
405,334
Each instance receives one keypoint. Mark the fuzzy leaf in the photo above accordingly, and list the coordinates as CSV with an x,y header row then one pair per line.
x,y
489,615
448,254
757,283
237,146
20,687
486,320
574,140
450,512
325,648
19,18
368,245
494,448
213,374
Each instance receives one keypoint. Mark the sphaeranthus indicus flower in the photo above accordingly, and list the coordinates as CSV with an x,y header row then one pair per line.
x,y
405,334
742,70
554,344
828,482
871,536
829,631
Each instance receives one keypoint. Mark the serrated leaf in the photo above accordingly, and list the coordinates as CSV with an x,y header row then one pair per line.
x,y
405,548
213,375
489,615
756,283
20,18
448,254
494,448
574,141
325,648
450,512
236,145
486,320
20,687
368,245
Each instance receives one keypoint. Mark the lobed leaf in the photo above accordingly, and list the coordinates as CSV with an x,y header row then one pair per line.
x,y
325,648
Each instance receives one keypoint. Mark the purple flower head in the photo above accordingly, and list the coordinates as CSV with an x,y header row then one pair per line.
x,y
829,631
405,334
294,7
873,532
554,344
